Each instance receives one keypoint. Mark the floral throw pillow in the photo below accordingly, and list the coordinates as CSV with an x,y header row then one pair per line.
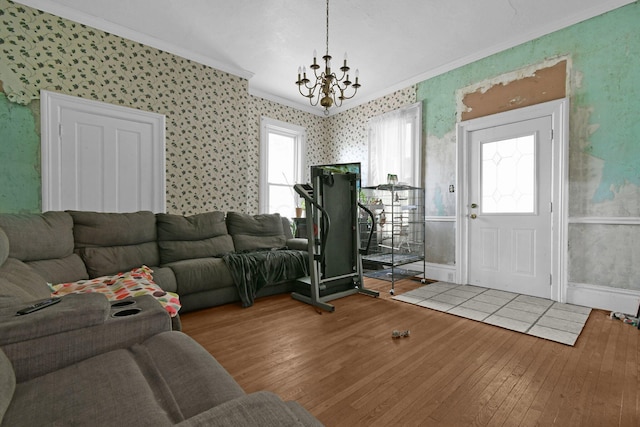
x,y
136,282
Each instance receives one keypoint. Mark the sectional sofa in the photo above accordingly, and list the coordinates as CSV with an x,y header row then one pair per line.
x,y
89,361
186,253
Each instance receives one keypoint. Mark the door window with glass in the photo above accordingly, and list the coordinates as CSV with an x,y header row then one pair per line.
x,y
281,166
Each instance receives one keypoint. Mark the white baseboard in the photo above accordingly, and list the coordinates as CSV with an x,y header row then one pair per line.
x,y
603,297
444,273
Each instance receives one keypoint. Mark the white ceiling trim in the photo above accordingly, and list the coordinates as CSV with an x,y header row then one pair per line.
x,y
603,7
303,104
575,19
127,33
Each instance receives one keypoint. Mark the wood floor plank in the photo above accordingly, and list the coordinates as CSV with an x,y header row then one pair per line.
x,y
630,382
546,386
526,409
347,370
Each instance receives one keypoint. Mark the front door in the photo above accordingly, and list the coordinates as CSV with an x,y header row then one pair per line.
x,y
509,207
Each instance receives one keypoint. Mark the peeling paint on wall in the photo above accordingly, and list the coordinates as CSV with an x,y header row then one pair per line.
x,y
529,86
441,154
440,242
603,56
605,254
19,158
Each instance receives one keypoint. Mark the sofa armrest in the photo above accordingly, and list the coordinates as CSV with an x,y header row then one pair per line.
x,y
262,408
72,312
298,243
77,328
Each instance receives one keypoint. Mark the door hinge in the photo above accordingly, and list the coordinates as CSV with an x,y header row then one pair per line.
x,y
551,135
60,130
550,206
551,280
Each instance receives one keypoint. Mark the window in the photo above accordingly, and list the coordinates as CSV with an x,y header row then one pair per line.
x,y
508,175
281,166
394,146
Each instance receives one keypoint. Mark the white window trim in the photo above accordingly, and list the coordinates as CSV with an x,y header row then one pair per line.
x,y
268,125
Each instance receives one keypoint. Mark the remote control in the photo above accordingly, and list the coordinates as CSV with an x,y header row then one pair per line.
x,y
38,306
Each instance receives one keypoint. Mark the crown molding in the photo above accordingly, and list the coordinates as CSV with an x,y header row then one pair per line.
x,y
128,33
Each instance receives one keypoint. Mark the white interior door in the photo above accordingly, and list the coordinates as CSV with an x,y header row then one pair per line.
x,y
101,157
510,206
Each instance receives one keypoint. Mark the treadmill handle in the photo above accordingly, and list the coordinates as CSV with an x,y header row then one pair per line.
x,y
373,227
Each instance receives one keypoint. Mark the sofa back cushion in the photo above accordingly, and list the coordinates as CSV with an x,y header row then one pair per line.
x,y
7,383
286,228
45,242
189,237
20,284
4,247
115,242
251,232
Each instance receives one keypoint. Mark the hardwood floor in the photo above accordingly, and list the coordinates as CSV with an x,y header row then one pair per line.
x,y
347,370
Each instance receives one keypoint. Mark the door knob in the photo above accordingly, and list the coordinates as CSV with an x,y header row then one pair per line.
x,y
474,216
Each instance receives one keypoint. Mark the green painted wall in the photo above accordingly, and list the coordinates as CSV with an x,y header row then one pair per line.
x,y
605,69
603,83
19,158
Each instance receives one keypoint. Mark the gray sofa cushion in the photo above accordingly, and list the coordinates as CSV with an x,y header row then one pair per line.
x,y
250,232
201,274
45,242
286,227
195,379
146,384
110,243
262,408
56,319
7,383
61,270
108,389
164,277
20,284
197,236
4,246
35,237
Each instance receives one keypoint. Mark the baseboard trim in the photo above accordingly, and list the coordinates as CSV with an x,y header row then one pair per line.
x,y
603,297
442,272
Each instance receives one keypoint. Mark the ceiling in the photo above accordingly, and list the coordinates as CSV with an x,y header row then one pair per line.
x,y
394,43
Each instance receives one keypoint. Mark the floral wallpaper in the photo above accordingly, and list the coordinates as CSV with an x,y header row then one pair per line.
x,y
213,124
206,109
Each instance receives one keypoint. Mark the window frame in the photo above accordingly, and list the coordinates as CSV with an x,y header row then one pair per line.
x,y
409,114
270,126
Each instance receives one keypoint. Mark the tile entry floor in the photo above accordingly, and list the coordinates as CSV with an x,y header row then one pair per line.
x,y
522,313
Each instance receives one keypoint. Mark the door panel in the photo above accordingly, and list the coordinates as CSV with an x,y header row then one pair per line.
x,y
101,157
509,227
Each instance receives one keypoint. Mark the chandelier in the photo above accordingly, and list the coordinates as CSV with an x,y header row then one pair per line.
x,y
327,89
